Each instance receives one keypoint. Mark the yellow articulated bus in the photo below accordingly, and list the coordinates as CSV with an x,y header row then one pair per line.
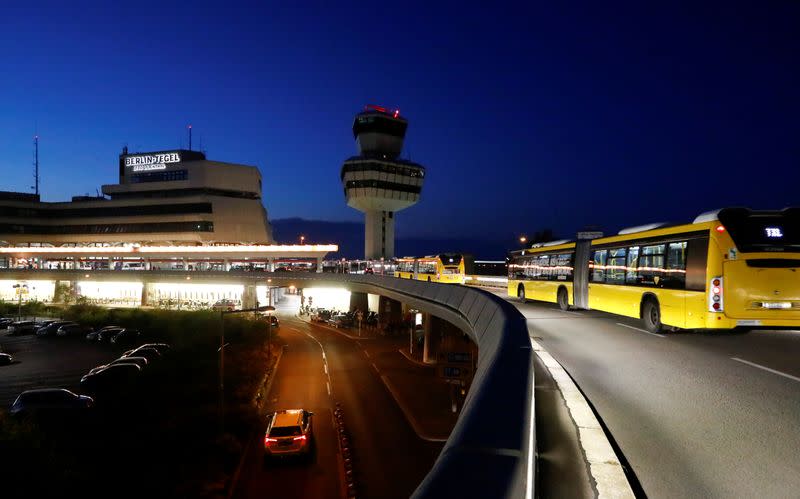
x,y
729,268
447,268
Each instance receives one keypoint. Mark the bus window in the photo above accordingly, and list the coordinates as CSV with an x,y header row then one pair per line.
x,y
615,274
651,264
696,262
598,265
676,266
633,263
562,264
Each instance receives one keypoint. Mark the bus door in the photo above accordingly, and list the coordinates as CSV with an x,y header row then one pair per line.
x,y
580,264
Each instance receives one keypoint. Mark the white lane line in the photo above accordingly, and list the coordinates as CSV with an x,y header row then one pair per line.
x,y
640,330
366,353
376,368
765,368
325,366
328,384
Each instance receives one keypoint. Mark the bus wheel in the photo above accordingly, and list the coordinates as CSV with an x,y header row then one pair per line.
x,y
521,293
651,316
429,278
563,299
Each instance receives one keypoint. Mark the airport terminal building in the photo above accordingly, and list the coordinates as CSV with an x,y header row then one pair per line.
x,y
164,197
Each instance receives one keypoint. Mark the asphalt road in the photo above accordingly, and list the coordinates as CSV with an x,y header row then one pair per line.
x,y
695,414
389,459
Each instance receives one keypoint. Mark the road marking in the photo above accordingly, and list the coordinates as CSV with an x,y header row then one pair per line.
x,y
366,353
325,366
328,384
376,368
640,330
765,368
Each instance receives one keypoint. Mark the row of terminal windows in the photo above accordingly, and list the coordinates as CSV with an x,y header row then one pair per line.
x,y
405,171
107,211
134,228
556,267
166,176
382,184
174,193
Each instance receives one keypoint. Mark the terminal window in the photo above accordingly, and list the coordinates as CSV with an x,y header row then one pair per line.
x,y
166,176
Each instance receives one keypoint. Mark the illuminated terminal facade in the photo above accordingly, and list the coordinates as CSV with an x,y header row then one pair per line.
x,y
171,210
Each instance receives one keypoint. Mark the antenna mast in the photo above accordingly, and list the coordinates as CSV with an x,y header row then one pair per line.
x,y
36,162
190,137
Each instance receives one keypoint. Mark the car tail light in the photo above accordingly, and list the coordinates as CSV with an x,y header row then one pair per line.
x,y
268,440
301,437
715,295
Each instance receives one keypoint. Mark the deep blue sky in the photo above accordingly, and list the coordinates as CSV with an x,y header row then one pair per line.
x,y
526,116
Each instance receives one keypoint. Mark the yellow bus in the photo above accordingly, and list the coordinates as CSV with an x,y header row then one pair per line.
x,y
730,268
447,268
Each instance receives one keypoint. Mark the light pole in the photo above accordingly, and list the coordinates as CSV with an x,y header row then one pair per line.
x,y
19,288
221,351
302,238
523,240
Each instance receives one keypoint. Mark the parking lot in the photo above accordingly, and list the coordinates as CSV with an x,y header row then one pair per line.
x,y
51,362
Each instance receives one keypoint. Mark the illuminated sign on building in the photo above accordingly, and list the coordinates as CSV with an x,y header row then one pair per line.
x,y
150,162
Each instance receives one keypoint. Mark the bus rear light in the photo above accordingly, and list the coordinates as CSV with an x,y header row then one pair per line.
x,y
720,228
715,295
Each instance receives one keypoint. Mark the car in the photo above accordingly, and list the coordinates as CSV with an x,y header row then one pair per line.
x,y
92,336
52,328
31,402
110,380
105,335
341,320
289,432
224,306
149,353
72,329
22,327
162,348
139,361
5,322
6,359
125,337
271,319
321,315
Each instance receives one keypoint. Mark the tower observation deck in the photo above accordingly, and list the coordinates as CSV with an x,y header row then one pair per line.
x,y
377,181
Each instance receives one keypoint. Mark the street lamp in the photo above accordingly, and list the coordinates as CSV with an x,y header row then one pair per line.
x,y
302,238
522,239
221,351
19,288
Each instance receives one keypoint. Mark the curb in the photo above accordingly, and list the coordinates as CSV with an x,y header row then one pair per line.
x,y
336,330
408,415
604,466
238,472
415,361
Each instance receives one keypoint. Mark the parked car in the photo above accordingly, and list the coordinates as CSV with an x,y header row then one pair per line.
x,y
289,433
321,315
110,379
105,335
162,348
125,337
6,359
51,328
32,402
224,305
149,353
92,336
72,330
22,327
341,320
5,322
139,361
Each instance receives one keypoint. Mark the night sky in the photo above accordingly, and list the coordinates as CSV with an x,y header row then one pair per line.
x,y
526,116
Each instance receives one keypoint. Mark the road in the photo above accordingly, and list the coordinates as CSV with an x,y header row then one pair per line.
x,y
389,459
695,414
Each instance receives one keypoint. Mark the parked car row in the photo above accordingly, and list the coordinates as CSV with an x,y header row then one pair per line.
x,y
342,319
63,328
114,380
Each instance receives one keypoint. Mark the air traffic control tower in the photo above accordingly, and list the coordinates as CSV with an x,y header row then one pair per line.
x,y
377,181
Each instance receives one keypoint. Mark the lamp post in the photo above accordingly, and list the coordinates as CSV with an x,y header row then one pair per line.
x,y
221,351
302,238
19,288
522,240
